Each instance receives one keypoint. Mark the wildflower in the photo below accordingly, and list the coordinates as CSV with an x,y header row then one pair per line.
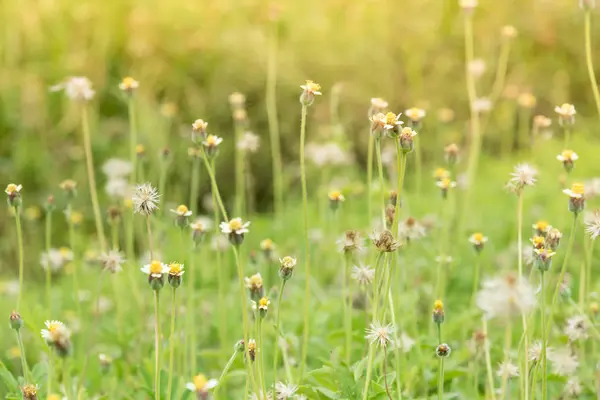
x,y
467,5
566,114
249,142
481,105
568,158
509,32
538,242
140,151
541,121
380,334
309,91
182,213
443,350
478,241
70,187
252,349
263,306
29,392
377,124
267,246
576,328
117,188
78,88
543,258
563,361
438,312
384,241
445,184
351,242
522,176
451,153
441,173
410,229
526,100
129,85
285,391
553,238
112,261
594,308
535,352
378,105
237,100
506,297
145,199
507,369
407,139
174,274
541,228
155,271
363,274
211,145
576,197
592,224
255,286
335,198
199,129
56,259
116,168
476,68
415,115
199,228
200,385
286,267
105,362
16,322
57,336
235,229
13,192
573,388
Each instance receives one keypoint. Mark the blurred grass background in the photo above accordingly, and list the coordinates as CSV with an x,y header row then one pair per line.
x,y
190,55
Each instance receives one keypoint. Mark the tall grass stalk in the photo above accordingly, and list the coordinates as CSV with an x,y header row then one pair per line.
x,y
172,340
191,305
544,338
370,150
589,59
87,144
347,310
244,306
225,371
48,245
381,181
271,100
524,376
156,346
306,244
501,68
195,183
20,249
277,333
488,360
240,190
24,366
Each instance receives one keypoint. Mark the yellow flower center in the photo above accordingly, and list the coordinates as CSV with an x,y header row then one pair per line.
x,y
65,252
335,195
578,188
156,267
235,224
408,132
567,154
53,327
390,118
264,302
139,149
182,209
478,237
312,87
266,244
11,188
255,281
438,306
211,140
174,268
76,218
200,381
252,346
538,241
128,82
445,183
413,113
541,226
441,173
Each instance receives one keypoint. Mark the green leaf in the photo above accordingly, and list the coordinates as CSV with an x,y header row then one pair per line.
x,y
39,372
8,378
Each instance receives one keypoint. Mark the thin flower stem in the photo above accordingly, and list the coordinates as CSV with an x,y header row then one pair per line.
x,y
590,255
20,246
26,373
544,338
476,278
210,169
48,244
50,371
224,373
156,347
150,241
190,328
87,144
195,182
347,310
260,357
498,85
418,164
441,379
240,191
132,139
72,245
222,271
306,245
172,340
520,271
488,361
398,348
507,346
589,60
381,181
387,388
401,166
244,306
370,178
277,333
271,100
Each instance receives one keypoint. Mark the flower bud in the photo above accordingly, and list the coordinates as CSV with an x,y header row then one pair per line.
x,y
199,131
252,349
105,362
309,91
451,153
443,350
263,306
16,322
13,192
286,267
255,287
335,199
406,139
553,238
438,312
543,259
239,346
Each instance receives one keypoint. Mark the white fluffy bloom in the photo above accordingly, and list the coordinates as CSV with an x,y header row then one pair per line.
x,y
573,387
145,199
235,226
117,188
117,168
404,342
411,229
563,361
56,259
592,224
364,275
505,297
55,333
112,261
76,88
576,328
249,142
285,391
508,369
380,334
523,175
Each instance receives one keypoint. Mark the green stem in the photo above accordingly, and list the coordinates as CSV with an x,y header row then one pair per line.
x,y
277,334
306,245
224,373
240,191
476,279
590,255
544,338
589,59
507,346
387,388
190,328
172,341
418,164
156,347
401,167
210,169
132,139
26,373
271,100
498,85
244,306
524,377
370,178
48,244
87,144
381,181
261,362
488,361
72,244
567,133
194,183
20,246
50,371
347,310
398,349
441,379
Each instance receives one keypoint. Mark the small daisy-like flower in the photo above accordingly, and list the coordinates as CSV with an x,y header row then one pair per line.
x,y
285,391
576,328
145,199
509,32
267,247
13,191
563,361
592,224
415,114
78,88
249,142
57,336
378,122
235,230
199,228
309,90
286,267
378,105
384,241
29,392
201,385
438,312
576,197
380,334
335,199
69,186
441,173
506,296
112,261
538,242
507,369
263,306
56,259
255,286
523,175
392,123
155,269
566,114
211,145
477,68
129,85
182,211
527,100
445,184
543,258
541,228
174,274
407,139
541,121
443,350
199,130
252,349
568,158
411,229
478,240
351,242
363,274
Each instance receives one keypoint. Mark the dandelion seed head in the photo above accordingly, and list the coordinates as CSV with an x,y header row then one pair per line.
x,y
145,199
380,334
